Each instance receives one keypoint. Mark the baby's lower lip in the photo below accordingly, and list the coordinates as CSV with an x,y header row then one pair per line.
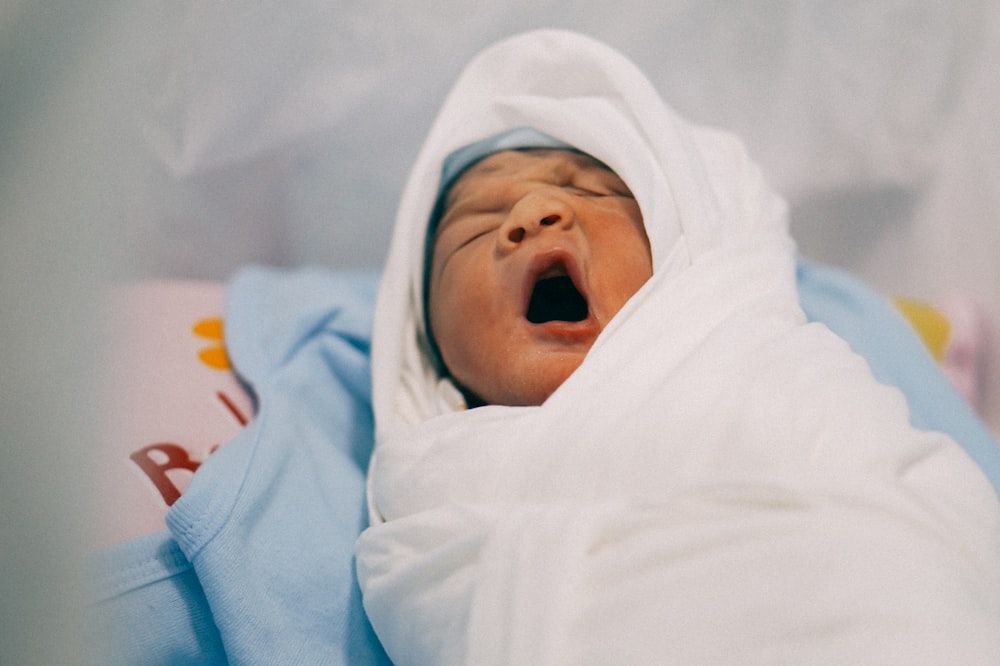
x,y
571,331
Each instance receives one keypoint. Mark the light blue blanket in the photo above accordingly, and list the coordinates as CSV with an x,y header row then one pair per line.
x,y
258,564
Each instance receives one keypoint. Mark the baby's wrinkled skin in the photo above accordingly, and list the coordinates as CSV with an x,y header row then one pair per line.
x,y
510,221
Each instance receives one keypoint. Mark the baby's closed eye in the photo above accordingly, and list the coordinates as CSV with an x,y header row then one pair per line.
x,y
468,228
600,184
479,229
590,191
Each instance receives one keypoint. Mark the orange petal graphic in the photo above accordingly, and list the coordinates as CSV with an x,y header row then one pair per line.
x,y
214,356
209,328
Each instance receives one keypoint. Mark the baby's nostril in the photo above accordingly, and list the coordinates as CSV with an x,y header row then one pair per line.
x,y
516,235
549,220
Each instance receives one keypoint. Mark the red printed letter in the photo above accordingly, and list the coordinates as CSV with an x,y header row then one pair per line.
x,y
177,458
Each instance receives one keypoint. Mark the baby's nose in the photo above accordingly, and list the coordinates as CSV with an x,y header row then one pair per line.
x,y
534,213
517,232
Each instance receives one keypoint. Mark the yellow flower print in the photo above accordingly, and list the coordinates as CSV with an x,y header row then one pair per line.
x,y
215,355
932,326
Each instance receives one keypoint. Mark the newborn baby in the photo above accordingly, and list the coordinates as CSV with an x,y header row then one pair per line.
x,y
665,462
534,253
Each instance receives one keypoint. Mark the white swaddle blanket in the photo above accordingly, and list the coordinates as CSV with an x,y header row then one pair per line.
x,y
718,482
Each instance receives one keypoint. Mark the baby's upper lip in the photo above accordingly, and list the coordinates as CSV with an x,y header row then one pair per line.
x,y
552,263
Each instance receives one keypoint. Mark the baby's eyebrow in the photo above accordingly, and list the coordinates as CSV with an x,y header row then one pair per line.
x,y
485,168
468,195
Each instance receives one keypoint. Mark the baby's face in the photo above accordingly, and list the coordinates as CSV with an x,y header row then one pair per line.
x,y
534,254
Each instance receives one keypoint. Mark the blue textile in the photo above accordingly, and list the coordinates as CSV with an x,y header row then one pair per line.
x,y
258,566
269,521
149,607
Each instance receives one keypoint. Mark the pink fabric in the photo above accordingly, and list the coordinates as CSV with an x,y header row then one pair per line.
x,y
170,400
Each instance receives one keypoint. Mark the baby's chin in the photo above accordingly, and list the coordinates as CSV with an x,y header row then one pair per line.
x,y
529,391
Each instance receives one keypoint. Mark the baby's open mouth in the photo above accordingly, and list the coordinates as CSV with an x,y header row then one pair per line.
x,y
556,298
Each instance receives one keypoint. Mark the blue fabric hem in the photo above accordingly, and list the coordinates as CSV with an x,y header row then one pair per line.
x,y
142,561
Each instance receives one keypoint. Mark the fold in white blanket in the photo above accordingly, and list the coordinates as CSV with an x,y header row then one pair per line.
x,y
718,482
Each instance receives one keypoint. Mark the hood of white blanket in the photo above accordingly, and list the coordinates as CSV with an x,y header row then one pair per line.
x,y
696,188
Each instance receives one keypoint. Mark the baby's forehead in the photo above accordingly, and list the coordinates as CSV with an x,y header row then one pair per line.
x,y
522,163
515,162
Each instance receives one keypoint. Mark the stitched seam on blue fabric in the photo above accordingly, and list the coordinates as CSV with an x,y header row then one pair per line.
x,y
196,527
143,565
